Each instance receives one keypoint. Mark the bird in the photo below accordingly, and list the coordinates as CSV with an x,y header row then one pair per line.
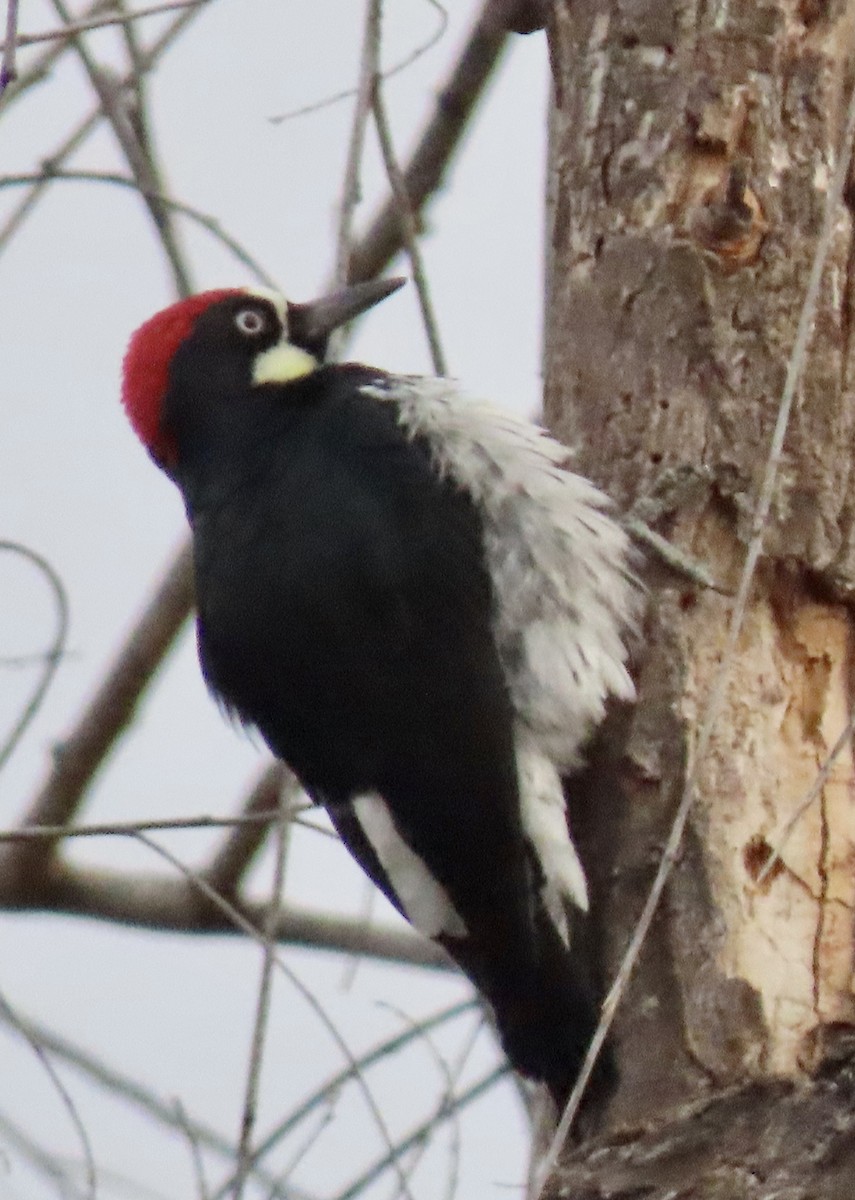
x,y
421,609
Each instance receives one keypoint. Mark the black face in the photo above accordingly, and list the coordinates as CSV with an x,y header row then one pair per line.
x,y
241,325
213,368
216,360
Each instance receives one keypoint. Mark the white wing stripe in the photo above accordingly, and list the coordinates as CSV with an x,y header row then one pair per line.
x,y
424,900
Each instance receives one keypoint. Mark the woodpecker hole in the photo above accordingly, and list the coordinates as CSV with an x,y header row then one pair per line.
x,y
729,221
756,855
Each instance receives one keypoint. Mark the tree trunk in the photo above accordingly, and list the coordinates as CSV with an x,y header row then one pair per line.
x,y
692,147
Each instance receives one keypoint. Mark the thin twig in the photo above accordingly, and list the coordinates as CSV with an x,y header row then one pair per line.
x,y
40,1159
132,44
350,190
262,817
409,230
234,857
844,742
108,713
333,1085
720,683
8,69
440,140
306,110
128,1089
450,1077
202,1191
51,659
70,1107
423,1131
231,913
310,1140
205,220
76,138
262,1012
130,133
40,67
84,26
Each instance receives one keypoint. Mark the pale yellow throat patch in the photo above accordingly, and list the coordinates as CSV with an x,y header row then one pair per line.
x,y
282,363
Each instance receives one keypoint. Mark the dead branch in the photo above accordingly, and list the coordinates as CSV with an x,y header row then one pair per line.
x,y
436,147
154,901
108,714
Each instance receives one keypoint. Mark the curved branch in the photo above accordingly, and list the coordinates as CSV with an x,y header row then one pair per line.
x,y
107,715
155,901
51,658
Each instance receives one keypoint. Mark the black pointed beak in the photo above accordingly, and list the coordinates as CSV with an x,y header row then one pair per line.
x,y
310,325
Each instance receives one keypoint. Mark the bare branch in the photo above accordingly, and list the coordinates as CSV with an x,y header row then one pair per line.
x,y
11,1018
8,69
152,901
440,140
130,132
202,1191
51,659
56,833
409,230
317,105
333,1085
423,1131
85,127
39,1158
84,26
45,61
231,913
234,858
350,191
128,1089
262,1012
207,222
450,1075
107,715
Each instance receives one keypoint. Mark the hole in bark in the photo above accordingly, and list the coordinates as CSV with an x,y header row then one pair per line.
x,y
756,855
656,458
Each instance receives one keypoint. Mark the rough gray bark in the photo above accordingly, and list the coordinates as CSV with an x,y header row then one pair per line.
x,y
692,146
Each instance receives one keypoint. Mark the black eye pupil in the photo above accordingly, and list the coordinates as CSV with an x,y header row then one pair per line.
x,y
249,321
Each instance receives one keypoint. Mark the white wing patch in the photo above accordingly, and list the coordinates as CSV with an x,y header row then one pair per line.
x,y
544,821
564,593
424,900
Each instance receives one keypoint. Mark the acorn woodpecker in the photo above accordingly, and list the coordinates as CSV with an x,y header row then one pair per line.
x,y
420,609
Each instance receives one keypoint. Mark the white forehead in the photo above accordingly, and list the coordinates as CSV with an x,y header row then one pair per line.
x,y
273,297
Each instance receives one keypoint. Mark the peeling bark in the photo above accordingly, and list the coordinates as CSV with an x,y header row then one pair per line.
x,y
692,146
776,1140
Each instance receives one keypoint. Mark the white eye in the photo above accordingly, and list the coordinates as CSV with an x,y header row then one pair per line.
x,y
251,322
